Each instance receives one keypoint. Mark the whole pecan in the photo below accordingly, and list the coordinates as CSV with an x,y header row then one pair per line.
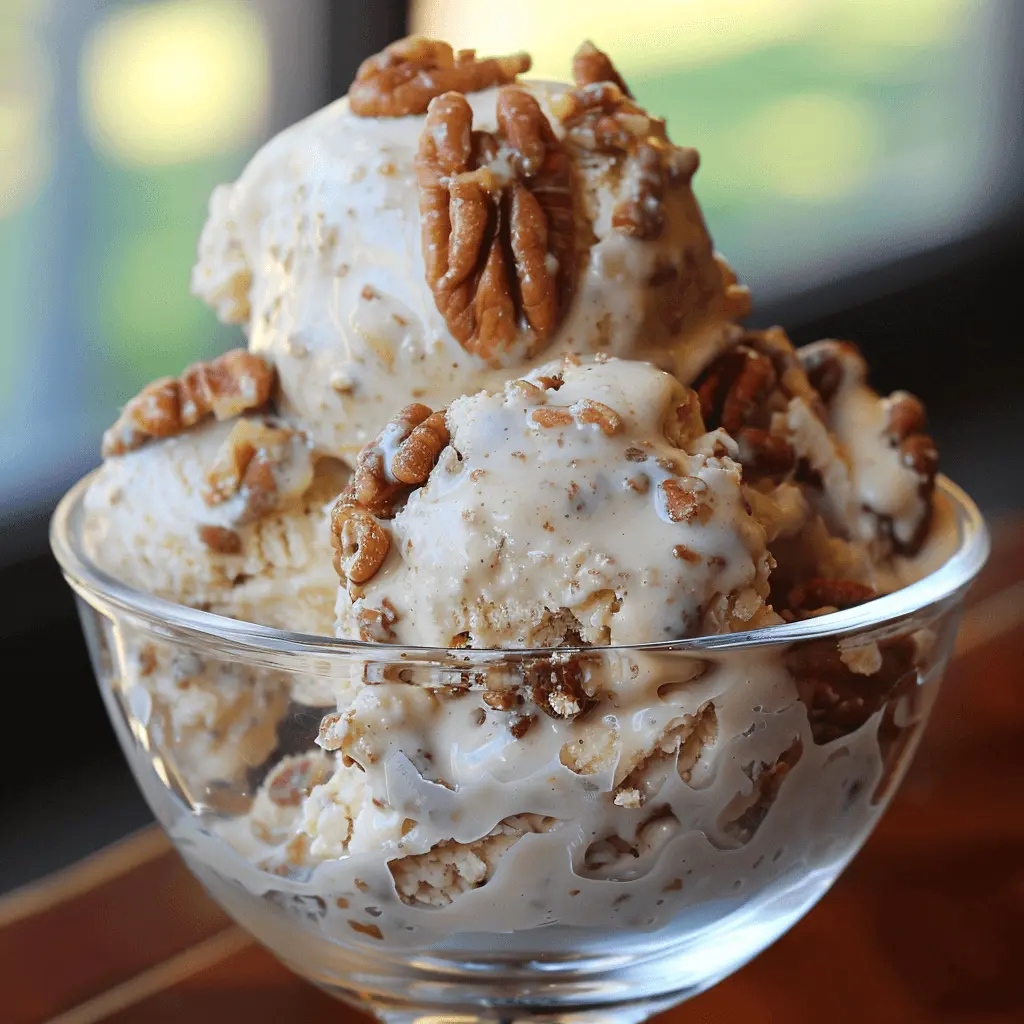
x,y
400,457
225,387
498,237
404,77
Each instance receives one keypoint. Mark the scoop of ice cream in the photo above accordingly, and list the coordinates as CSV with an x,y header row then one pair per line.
x,y
213,720
374,260
582,503
893,462
226,516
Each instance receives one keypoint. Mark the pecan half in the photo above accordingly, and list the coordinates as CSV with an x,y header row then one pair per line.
x,y
404,77
224,387
360,543
499,244
400,457
590,65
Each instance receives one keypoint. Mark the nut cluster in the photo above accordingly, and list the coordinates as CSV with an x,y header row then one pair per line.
x,y
496,216
742,389
599,115
404,77
227,386
838,700
397,460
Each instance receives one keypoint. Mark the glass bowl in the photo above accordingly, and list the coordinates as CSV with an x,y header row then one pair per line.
x,y
570,834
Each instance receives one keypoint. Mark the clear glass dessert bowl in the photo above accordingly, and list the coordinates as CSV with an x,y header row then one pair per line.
x,y
466,834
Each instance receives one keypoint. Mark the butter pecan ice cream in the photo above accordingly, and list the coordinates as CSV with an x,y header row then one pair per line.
x,y
449,223
229,517
584,502
495,382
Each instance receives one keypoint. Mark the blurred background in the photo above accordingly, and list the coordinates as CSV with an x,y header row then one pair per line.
x,y
861,168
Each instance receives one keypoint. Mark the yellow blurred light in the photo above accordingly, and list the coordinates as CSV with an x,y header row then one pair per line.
x,y
811,146
26,88
640,34
174,81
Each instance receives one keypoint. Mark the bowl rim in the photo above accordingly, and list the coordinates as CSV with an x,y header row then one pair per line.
x,y
103,592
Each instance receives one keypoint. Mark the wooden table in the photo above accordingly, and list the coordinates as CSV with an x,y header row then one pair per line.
x,y
926,925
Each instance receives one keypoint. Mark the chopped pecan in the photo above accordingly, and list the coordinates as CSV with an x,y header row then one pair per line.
x,y
293,780
591,65
375,624
225,387
245,465
763,454
584,412
404,77
684,499
553,417
588,411
499,244
220,539
906,415
360,543
839,700
830,364
557,686
600,115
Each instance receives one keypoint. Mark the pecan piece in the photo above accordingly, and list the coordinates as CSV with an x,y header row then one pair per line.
x,y
360,543
224,387
401,456
588,411
499,248
418,453
375,624
404,77
600,115
684,499
838,700
591,65
556,686
763,454
220,539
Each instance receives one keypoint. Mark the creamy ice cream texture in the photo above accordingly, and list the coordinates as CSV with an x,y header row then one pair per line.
x,y
596,453
583,503
317,251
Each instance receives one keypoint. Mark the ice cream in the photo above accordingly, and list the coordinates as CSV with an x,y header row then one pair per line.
x,y
331,250
496,304
226,515
583,503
